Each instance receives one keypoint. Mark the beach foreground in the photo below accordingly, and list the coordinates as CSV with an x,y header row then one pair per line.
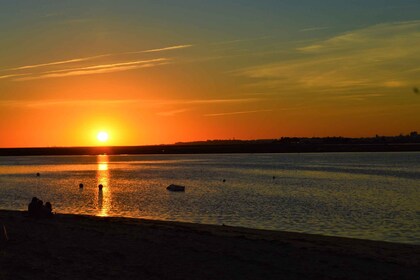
x,y
87,247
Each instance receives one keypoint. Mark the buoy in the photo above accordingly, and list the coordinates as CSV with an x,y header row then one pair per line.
x,y
224,180
274,177
81,186
100,186
175,188
37,174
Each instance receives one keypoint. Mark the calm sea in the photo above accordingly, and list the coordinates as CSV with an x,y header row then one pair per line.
x,y
362,195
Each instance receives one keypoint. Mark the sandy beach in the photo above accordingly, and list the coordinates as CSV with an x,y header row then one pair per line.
x,y
87,247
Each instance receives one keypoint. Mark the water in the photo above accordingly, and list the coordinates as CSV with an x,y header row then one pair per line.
x,y
362,195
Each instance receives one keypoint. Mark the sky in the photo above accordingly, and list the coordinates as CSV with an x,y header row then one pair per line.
x,y
159,72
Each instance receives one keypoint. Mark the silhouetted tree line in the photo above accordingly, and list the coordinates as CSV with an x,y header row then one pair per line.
x,y
413,137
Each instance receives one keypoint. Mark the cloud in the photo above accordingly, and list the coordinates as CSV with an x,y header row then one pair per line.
x,y
74,60
11,76
50,63
369,38
55,63
205,101
356,97
394,84
142,102
313,29
113,65
98,69
164,49
236,113
172,113
215,101
236,41
383,56
66,102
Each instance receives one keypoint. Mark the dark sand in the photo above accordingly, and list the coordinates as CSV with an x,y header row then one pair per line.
x,y
84,247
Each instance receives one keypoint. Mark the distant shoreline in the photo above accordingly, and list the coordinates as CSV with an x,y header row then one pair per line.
x,y
245,147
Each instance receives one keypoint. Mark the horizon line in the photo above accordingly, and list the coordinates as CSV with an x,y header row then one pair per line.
x,y
207,140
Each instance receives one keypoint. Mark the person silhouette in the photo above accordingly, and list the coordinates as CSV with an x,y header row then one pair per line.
x,y
37,209
33,205
47,209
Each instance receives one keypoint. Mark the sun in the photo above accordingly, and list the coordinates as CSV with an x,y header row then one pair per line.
x,y
102,136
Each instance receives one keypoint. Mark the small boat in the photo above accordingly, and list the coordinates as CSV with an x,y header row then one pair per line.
x,y
175,188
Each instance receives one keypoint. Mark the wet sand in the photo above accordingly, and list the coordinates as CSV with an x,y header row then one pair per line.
x,y
86,247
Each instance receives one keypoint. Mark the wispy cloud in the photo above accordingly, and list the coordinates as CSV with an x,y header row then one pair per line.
x,y
165,49
66,102
11,76
172,113
313,29
357,97
140,102
236,41
55,63
236,113
210,101
112,65
371,38
98,69
372,58
82,59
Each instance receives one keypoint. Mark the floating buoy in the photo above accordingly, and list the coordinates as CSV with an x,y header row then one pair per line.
x,y
224,180
81,186
37,174
175,188
100,186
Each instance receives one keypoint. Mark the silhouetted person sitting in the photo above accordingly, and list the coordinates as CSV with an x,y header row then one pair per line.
x,y
48,209
32,207
38,210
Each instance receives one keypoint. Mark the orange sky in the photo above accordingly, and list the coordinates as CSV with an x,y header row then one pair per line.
x,y
153,73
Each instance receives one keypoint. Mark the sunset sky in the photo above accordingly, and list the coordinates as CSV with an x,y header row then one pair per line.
x,y
160,72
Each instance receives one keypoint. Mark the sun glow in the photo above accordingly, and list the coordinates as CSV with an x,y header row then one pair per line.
x,y
102,136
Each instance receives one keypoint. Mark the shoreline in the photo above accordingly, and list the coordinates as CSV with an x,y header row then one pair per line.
x,y
77,246
242,148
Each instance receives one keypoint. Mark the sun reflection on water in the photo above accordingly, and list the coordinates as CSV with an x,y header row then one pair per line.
x,y
103,178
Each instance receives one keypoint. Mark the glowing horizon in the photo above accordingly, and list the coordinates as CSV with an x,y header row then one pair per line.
x,y
157,73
